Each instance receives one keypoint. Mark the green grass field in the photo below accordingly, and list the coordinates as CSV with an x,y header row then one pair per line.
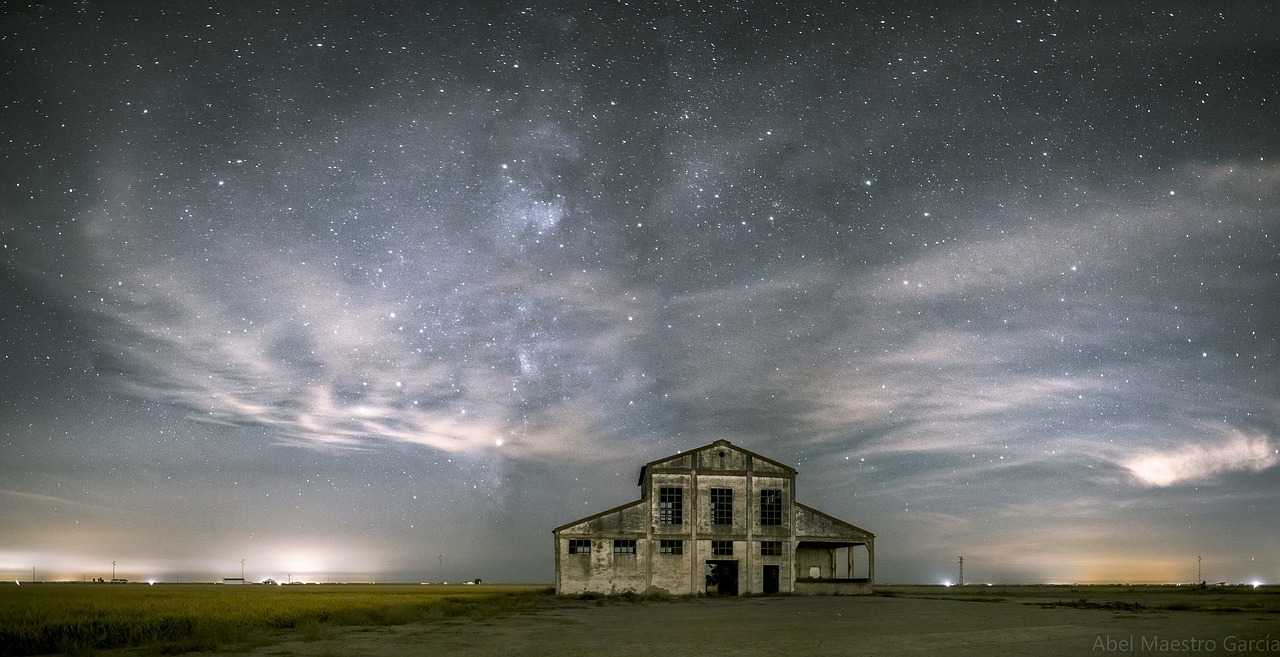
x,y
178,618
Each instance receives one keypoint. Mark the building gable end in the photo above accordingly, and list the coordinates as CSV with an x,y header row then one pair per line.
x,y
708,458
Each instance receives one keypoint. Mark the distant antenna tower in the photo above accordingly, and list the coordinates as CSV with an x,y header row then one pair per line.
x,y
961,571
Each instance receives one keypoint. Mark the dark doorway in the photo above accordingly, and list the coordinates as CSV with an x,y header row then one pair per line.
x,y
722,577
770,580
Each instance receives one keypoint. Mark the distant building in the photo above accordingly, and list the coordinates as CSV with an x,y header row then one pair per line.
x,y
719,520
233,580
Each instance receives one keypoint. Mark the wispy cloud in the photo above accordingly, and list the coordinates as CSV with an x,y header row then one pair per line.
x,y
54,502
1196,462
452,363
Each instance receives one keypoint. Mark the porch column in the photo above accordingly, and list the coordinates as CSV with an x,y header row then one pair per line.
x,y
871,561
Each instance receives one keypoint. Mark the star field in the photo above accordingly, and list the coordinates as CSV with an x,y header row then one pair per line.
x,y
359,291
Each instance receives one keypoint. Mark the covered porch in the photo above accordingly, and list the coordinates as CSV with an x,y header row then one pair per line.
x,y
835,567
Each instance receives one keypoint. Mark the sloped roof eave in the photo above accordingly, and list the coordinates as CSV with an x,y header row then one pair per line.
x,y
601,514
834,519
719,443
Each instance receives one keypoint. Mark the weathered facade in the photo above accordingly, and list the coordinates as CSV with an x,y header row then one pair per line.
x,y
715,520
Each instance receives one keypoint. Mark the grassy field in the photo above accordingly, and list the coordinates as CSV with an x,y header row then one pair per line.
x,y
178,618
1137,597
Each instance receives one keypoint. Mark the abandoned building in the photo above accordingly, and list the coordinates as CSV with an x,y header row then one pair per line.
x,y
718,520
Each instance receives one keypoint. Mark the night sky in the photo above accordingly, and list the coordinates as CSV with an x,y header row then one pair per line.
x,y
379,291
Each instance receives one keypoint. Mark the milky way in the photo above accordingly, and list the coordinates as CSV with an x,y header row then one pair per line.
x,y
382,292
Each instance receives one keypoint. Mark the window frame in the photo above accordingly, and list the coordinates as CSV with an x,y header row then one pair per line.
x,y
722,548
670,505
721,506
579,546
770,548
624,546
670,547
771,507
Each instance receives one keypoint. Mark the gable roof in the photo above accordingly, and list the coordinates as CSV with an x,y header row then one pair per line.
x,y
716,445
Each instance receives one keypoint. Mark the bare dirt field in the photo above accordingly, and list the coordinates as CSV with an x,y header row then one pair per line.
x,y
910,620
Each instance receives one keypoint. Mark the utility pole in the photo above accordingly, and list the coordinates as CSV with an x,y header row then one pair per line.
x,y
113,569
440,569
242,569
961,571
1199,576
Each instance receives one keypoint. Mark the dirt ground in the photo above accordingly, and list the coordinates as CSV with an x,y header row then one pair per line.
x,y
809,626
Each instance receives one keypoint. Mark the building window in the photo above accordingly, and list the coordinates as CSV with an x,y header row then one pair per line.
x,y
722,506
670,506
670,547
579,546
770,548
771,506
722,548
624,546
